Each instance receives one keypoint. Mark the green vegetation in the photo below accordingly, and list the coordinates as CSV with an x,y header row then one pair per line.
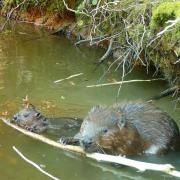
x,y
168,48
135,26
164,12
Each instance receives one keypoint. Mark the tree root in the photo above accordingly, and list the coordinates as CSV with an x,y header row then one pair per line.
x,y
109,50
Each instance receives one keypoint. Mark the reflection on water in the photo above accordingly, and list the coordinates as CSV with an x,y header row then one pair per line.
x,y
30,62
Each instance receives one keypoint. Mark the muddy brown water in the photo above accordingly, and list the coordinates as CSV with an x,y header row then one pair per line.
x,y
30,62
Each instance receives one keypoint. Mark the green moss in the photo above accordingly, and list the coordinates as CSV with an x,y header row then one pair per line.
x,y
164,12
166,48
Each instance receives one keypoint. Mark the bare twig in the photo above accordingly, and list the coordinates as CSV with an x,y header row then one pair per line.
x,y
167,28
10,13
74,11
176,62
124,82
89,40
69,77
34,164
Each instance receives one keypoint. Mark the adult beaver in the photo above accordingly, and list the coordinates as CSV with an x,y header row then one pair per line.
x,y
31,119
127,129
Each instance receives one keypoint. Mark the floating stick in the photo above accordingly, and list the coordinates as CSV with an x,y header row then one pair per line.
x,y
69,77
124,82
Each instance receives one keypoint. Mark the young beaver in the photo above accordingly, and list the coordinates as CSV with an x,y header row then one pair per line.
x,y
31,119
127,129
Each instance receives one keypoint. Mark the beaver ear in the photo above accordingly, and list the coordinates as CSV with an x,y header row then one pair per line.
x,y
95,109
121,122
32,106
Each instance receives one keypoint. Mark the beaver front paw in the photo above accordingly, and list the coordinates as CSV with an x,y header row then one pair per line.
x,y
68,140
63,140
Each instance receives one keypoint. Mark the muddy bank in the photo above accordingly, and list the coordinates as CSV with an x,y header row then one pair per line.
x,y
53,21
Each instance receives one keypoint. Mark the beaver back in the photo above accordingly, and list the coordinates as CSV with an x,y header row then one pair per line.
x,y
154,125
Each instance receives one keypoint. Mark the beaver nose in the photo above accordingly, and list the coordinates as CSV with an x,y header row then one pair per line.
x,y
15,117
86,143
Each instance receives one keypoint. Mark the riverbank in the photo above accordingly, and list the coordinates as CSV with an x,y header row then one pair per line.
x,y
141,33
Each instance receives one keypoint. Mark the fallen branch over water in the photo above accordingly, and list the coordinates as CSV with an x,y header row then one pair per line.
x,y
124,82
141,166
34,164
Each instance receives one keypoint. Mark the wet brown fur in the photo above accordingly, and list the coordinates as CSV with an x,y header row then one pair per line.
x,y
125,142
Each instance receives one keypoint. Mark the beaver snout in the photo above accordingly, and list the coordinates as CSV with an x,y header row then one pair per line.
x,y
15,118
86,143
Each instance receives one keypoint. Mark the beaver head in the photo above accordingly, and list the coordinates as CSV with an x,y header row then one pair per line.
x,y
31,119
104,130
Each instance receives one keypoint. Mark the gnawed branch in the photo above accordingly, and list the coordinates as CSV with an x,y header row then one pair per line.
x,y
142,166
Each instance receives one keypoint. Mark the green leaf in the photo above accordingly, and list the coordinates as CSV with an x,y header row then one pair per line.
x,y
94,2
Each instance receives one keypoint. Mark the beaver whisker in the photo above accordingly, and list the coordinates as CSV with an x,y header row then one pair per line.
x,y
100,149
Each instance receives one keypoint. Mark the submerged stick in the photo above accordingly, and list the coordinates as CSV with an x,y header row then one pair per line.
x,y
69,77
141,166
124,82
167,92
34,164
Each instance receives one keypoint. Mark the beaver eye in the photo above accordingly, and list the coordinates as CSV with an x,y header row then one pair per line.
x,y
38,114
105,130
